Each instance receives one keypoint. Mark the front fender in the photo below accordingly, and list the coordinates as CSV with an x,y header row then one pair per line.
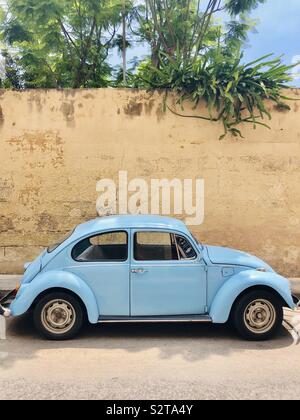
x,y
28,292
224,299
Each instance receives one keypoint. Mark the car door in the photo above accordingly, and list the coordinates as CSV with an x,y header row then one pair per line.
x,y
102,261
166,277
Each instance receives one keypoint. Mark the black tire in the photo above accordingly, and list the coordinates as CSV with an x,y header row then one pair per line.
x,y
256,303
67,306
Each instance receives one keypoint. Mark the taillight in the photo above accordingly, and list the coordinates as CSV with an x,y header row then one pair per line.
x,y
15,291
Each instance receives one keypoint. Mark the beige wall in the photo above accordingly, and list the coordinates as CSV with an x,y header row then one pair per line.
x,y
55,145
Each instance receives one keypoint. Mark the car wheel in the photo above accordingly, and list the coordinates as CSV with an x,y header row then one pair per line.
x,y
58,316
257,315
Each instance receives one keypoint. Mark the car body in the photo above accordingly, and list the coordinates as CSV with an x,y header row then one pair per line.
x,y
146,268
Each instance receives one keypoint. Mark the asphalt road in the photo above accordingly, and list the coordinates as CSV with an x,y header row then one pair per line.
x,y
138,361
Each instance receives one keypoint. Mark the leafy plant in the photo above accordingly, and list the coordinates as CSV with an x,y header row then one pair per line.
x,y
195,56
62,43
234,92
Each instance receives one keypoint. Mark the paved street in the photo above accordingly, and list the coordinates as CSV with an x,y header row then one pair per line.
x,y
147,361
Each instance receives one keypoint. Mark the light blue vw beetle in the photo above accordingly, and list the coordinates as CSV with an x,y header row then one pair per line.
x,y
148,269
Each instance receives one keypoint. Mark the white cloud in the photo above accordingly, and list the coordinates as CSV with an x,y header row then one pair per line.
x,y
296,69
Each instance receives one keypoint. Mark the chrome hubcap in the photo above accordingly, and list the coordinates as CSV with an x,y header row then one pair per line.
x,y
58,316
260,316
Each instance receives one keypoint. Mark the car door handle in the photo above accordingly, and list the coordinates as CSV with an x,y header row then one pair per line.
x,y
138,270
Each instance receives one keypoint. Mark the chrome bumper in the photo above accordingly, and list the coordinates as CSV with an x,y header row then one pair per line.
x,y
7,298
5,312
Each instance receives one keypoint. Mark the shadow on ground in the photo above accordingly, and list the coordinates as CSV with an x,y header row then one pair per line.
x,y
191,341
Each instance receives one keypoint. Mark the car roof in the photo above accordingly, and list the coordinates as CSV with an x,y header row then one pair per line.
x,y
118,223
130,221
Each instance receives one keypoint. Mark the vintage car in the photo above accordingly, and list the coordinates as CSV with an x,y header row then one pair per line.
x,y
148,269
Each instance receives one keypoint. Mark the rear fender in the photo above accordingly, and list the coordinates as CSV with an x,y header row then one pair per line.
x,y
28,292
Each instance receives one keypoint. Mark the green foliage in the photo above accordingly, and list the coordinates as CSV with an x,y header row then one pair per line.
x,y
235,7
234,92
121,43
62,43
200,59
187,28
12,72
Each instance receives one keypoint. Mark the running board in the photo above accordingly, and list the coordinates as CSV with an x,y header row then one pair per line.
x,y
163,318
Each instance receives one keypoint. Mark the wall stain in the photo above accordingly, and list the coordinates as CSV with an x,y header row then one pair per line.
x,y
69,92
67,108
6,189
6,224
149,105
107,157
29,196
250,159
46,222
35,97
133,108
88,96
160,112
48,143
282,107
1,116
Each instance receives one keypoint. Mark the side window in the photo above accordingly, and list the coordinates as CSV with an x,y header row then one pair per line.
x,y
110,246
185,249
154,246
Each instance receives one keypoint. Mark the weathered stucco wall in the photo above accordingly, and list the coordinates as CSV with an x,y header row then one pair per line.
x,y
55,146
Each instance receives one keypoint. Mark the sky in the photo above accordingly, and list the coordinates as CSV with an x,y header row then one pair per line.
x,y
277,31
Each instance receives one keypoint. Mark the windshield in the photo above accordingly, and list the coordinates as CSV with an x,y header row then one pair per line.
x,y
51,248
196,240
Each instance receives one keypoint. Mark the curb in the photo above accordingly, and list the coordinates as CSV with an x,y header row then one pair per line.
x,y
9,281
295,282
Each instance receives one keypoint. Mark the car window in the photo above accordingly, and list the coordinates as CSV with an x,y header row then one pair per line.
x,y
51,248
154,246
110,246
185,249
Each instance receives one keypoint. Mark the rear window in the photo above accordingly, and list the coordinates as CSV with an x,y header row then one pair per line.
x,y
108,246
